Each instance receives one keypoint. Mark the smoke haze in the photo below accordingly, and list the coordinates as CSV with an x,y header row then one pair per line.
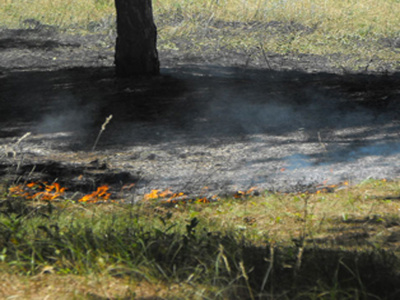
x,y
227,129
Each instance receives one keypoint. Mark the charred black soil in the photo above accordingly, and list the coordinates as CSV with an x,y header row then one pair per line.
x,y
216,121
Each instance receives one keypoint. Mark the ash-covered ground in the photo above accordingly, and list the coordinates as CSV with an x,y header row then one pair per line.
x,y
215,124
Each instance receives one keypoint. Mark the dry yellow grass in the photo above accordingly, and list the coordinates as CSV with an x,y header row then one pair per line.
x,y
54,12
333,17
332,219
362,219
363,32
352,28
51,286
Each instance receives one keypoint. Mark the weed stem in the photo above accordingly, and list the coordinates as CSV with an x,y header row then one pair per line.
x,y
103,127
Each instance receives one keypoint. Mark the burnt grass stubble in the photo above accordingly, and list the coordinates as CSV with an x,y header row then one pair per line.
x,y
62,87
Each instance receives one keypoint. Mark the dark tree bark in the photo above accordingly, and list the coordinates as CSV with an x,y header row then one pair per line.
x,y
136,47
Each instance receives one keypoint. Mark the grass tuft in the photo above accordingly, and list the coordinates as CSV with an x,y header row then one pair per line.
x,y
274,245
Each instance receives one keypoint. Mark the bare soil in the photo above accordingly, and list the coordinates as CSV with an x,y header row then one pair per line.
x,y
218,121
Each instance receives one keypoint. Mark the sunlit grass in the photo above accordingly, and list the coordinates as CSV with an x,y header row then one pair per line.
x,y
320,27
362,32
204,250
54,12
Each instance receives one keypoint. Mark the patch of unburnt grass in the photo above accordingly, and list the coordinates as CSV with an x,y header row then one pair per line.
x,y
348,36
334,244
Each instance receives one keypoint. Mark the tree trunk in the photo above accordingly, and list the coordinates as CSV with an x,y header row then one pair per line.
x,y
136,47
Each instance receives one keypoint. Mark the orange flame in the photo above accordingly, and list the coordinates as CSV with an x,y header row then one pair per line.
x,y
167,196
51,192
203,200
241,194
37,190
18,191
157,194
152,195
128,186
100,194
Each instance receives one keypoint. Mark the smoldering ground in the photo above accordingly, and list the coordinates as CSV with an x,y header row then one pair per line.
x,y
195,126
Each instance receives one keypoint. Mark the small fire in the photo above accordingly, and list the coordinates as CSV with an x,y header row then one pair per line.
x,y
38,191
154,194
101,194
169,197
128,187
325,188
242,194
203,200
166,195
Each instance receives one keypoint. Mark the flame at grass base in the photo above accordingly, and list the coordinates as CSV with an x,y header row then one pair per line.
x,y
43,191
38,191
101,194
168,197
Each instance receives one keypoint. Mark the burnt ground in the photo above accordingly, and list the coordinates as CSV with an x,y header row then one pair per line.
x,y
216,121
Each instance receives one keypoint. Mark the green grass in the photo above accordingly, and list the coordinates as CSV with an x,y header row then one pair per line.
x,y
317,246
353,34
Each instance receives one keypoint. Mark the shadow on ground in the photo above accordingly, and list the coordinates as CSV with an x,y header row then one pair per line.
x,y
247,120
198,103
